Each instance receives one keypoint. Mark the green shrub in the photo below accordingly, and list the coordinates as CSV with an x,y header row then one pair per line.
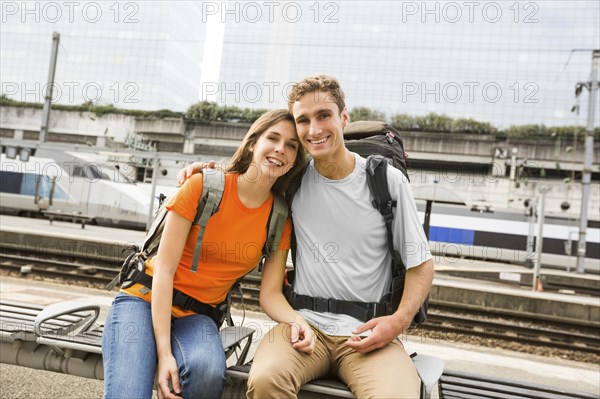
x,y
366,114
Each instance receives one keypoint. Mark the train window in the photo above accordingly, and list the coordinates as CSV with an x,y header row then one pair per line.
x,y
25,184
11,182
78,171
28,184
93,172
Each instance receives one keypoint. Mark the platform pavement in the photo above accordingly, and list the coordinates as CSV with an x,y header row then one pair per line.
x,y
457,356
68,229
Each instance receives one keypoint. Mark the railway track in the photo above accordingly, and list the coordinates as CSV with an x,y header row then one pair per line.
x,y
443,323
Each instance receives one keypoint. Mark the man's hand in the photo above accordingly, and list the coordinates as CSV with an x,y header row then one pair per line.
x,y
191,169
383,331
302,337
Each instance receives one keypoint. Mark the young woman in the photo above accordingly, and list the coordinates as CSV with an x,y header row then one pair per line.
x,y
144,335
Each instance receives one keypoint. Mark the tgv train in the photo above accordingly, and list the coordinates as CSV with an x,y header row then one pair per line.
x,y
458,232
75,184
72,186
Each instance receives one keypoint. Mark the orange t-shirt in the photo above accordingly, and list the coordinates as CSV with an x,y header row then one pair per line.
x,y
231,247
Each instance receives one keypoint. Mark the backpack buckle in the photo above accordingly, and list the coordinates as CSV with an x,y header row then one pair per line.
x,y
261,263
132,266
389,137
376,309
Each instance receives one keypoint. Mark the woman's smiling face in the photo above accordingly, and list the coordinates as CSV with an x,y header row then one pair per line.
x,y
276,149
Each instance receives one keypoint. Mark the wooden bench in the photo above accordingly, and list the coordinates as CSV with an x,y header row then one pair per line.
x,y
73,217
459,385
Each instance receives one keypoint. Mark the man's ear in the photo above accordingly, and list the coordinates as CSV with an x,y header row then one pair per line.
x,y
345,117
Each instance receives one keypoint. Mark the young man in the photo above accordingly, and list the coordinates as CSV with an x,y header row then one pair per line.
x,y
342,253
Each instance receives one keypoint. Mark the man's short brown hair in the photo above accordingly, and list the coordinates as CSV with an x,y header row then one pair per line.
x,y
324,83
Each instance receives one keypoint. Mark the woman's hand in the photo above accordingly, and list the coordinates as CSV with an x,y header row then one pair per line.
x,y
167,376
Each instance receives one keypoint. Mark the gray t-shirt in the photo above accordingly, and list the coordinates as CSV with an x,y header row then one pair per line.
x,y
342,249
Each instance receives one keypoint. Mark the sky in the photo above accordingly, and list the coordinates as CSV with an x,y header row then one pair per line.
x,y
504,62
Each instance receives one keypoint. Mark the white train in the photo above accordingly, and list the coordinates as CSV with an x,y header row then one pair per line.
x,y
80,184
72,186
458,232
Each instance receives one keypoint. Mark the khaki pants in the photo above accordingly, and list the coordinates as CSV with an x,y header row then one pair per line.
x,y
278,370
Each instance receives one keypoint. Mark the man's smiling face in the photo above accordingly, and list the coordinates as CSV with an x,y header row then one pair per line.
x,y
320,125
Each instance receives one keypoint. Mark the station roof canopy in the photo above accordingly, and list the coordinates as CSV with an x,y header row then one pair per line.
x,y
437,193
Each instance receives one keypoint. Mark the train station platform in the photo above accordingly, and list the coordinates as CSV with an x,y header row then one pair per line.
x,y
494,362
474,283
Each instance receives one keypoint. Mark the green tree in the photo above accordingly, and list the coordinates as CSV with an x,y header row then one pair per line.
x,y
404,122
366,114
471,126
203,111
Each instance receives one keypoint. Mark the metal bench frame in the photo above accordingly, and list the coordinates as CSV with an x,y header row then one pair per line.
x,y
460,385
65,337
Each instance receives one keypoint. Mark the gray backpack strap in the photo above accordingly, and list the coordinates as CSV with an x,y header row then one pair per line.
x,y
277,218
212,192
150,245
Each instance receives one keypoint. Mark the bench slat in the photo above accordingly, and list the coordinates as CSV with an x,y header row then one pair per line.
x,y
464,385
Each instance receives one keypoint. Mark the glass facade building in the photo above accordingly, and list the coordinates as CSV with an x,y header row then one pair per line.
x,y
135,55
501,62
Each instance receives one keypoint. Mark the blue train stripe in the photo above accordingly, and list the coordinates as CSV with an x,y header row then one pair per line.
x,y
451,235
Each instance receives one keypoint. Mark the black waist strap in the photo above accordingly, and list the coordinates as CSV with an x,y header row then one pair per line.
x,y
184,301
363,311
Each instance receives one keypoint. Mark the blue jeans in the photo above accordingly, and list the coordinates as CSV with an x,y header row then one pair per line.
x,y
129,352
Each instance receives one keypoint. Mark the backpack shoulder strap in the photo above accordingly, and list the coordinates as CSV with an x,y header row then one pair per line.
x,y
279,214
277,218
290,198
212,191
152,239
382,201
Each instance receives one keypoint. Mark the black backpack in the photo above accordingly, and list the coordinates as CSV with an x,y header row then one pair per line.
x,y
368,138
382,146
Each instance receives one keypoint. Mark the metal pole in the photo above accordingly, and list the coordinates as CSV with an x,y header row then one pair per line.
x,y
540,237
155,172
586,177
49,87
513,164
530,247
427,218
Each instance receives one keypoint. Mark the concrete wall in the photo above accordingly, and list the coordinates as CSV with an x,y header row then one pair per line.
x,y
218,141
208,138
114,126
487,146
